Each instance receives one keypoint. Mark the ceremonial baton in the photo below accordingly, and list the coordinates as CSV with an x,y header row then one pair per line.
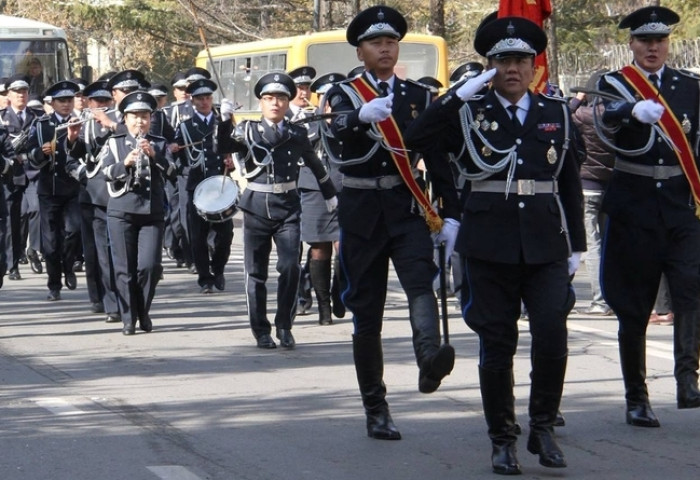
x,y
443,292
206,47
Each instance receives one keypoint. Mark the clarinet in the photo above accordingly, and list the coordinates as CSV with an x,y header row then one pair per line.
x,y
139,161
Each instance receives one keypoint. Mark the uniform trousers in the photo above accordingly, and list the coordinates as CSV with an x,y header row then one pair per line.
x,y
30,221
99,273
137,254
60,235
633,260
14,247
491,296
365,264
258,235
200,230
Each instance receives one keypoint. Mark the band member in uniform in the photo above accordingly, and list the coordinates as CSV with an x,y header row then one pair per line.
x,y
6,160
177,235
200,159
319,227
653,208
523,227
99,272
384,214
135,166
51,140
18,119
270,150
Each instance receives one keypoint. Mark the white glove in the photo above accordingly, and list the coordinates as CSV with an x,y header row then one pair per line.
x,y
648,111
332,203
376,110
448,235
227,109
472,86
574,261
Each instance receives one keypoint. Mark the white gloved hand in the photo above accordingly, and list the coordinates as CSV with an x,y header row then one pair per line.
x,y
376,110
474,85
648,111
574,261
332,203
448,235
227,109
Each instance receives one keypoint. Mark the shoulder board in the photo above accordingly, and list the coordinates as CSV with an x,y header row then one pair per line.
x,y
556,98
347,80
689,74
157,138
414,83
44,118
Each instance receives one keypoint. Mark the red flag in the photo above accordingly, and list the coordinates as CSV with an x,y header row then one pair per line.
x,y
537,11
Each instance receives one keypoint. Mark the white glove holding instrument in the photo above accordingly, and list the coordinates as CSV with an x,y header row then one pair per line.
x,y
574,262
376,110
474,85
648,111
448,235
227,108
332,203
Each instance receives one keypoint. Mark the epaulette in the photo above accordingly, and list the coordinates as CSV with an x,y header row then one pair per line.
x,y
44,118
155,137
689,73
417,84
556,98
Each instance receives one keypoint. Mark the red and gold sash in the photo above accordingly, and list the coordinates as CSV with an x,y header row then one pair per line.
x,y
393,137
672,128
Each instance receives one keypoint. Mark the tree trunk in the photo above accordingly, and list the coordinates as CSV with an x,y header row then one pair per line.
x,y
437,17
553,50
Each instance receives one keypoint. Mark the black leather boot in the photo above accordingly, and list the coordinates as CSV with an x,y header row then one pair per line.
x,y
499,410
686,347
369,366
336,289
320,272
634,370
545,395
434,361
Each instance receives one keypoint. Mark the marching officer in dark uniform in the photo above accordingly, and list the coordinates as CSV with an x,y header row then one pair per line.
x,y
384,214
7,154
523,227
17,118
653,208
160,123
319,227
135,167
200,159
270,150
51,140
99,272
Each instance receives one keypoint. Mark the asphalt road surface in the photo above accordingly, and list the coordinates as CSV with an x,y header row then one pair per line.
x,y
195,399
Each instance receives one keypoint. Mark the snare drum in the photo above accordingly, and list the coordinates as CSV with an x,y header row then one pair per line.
x,y
215,198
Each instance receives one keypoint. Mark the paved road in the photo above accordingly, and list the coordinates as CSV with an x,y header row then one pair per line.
x,y
196,400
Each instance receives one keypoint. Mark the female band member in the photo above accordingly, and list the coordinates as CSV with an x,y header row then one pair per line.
x,y
135,167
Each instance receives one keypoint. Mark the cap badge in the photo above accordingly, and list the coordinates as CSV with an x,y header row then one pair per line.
x,y
380,15
653,16
510,30
128,74
276,78
139,96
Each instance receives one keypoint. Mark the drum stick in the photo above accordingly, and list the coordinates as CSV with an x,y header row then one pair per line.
x,y
223,179
206,47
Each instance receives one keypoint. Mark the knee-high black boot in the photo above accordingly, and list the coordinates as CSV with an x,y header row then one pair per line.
x,y
336,289
634,371
545,395
434,361
499,410
320,272
686,347
369,366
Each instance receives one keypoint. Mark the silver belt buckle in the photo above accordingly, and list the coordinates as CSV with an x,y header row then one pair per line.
x,y
661,173
382,183
277,188
526,187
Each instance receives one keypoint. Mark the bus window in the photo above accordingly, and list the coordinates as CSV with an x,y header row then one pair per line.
x,y
278,61
332,57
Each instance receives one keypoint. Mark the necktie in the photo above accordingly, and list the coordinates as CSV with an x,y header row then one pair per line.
x,y
276,133
21,117
513,109
654,79
383,89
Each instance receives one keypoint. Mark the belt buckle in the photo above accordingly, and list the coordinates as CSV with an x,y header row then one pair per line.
x,y
661,173
380,182
277,188
526,187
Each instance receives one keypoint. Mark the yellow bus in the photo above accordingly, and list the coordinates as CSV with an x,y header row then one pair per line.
x,y
240,65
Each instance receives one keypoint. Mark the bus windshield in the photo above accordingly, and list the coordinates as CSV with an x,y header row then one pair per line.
x,y
44,61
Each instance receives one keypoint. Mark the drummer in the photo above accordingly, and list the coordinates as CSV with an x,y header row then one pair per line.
x,y
199,159
270,149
